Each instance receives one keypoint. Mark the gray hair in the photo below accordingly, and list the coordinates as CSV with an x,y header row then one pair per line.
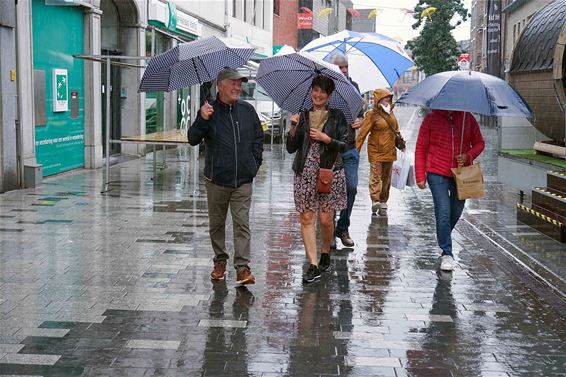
x,y
338,57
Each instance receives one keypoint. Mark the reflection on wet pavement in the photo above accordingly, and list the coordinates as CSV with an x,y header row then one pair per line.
x,y
118,285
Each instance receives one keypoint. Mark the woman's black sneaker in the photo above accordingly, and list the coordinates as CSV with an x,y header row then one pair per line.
x,y
324,263
312,274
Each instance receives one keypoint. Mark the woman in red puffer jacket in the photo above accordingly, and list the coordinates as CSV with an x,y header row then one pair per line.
x,y
438,150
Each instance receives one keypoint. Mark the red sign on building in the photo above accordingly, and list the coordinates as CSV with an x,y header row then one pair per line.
x,y
304,20
464,61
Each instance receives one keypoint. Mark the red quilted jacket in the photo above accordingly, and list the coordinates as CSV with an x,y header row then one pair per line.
x,y
438,143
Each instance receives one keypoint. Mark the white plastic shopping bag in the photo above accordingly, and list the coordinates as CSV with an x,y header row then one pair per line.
x,y
400,171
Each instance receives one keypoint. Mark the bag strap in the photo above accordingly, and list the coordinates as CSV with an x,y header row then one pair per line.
x,y
463,127
462,137
324,146
389,124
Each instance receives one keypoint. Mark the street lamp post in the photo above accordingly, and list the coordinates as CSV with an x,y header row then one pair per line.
x,y
336,5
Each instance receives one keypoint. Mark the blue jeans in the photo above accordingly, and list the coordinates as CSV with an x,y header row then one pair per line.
x,y
447,209
351,161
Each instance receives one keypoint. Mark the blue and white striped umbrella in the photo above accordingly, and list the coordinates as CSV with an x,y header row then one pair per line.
x,y
288,78
193,63
375,60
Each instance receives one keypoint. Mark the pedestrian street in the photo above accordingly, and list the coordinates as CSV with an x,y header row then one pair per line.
x,y
118,284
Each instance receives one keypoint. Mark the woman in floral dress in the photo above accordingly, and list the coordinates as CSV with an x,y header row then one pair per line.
x,y
318,136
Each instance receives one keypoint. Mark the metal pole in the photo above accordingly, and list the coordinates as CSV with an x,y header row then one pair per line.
x,y
108,126
195,101
272,120
336,10
154,162
152,42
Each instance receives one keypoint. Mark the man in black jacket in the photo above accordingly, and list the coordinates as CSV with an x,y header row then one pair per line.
x,y
234,145
351,160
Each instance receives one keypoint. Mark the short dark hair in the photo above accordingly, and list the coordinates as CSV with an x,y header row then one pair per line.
x,y
324,83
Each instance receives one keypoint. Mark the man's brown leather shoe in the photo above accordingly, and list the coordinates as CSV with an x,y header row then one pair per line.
x,y
346,240
219,271
245,277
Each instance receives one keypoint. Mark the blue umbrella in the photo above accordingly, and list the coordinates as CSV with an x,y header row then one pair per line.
x,y
375,60
287,79
193,63
470,91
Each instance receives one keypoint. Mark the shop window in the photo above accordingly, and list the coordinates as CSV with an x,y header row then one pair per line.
x,y
154,101
183,108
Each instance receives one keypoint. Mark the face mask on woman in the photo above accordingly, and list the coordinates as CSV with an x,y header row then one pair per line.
x,y
386,107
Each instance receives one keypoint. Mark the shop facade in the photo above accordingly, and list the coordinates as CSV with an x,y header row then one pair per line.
x,y
69,122
59,87
60,97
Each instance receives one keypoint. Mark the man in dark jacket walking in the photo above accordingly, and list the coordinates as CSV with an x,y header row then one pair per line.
x,y
351,160
234,145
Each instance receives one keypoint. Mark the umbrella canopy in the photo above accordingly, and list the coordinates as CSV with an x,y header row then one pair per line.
x,y
287,79
375,60
193,63
471,91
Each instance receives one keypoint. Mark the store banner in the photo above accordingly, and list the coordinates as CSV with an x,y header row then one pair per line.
x,y
464,61
493,38
172,24
304,20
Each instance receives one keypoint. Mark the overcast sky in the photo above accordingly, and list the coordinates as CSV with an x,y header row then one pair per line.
x,y
392,22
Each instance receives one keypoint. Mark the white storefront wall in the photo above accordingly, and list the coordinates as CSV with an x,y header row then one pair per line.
x,y
210,14
259,38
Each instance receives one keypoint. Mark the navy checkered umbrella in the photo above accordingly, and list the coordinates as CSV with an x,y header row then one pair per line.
x,y
193,63
287,79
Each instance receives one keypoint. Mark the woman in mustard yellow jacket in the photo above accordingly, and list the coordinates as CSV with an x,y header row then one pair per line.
x,y
381,125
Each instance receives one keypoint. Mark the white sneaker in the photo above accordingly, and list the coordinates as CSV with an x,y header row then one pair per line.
x,y
375,206
446,263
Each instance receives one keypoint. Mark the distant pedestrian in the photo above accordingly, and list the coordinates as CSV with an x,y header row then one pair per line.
x,y
234,145
380,127
351,161
318,137
438,150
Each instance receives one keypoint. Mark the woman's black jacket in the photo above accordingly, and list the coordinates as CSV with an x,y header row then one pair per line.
x,y
335,127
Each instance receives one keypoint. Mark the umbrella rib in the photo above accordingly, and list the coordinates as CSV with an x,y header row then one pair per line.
x,y
206,69
284,70
196,70
354,44
291,92
304,98
296,87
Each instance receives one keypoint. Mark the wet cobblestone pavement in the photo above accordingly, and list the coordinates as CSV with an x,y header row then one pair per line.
x,y
118,284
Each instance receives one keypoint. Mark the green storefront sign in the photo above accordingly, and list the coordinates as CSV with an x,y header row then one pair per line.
x,y
59,144
172,17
